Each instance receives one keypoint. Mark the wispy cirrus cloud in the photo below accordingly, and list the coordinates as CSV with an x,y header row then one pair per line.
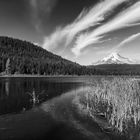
x,y
126,41
126,18
39,10
93,17
91,26
87,18
122,44
57,38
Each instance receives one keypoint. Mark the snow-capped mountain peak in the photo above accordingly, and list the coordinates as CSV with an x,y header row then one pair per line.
x,y
114,58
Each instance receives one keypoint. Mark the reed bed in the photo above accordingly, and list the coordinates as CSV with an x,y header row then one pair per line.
x,y
118,100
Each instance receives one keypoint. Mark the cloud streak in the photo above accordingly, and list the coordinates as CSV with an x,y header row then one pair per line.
x,y
93,17
57,38
126,41
41,9
92,27
87,18
122,20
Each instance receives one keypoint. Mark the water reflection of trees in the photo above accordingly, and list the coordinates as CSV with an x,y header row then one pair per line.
x,y
4,89
7,86
13,97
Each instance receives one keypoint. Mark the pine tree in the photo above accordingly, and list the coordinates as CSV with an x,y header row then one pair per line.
x,y
8,67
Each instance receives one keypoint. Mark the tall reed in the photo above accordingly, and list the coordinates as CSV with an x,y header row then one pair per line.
x,y
118,100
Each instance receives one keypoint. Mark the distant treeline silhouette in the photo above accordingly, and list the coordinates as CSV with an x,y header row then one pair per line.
x,y
118,69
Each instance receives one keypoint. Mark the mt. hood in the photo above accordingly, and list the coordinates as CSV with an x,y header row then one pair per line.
x,y
114,58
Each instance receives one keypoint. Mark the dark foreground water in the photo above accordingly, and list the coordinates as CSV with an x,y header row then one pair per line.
x,y
55,116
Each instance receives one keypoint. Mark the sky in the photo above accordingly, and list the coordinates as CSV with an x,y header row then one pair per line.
x,y
83,31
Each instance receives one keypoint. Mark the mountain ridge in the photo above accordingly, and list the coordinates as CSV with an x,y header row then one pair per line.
x,y
114,58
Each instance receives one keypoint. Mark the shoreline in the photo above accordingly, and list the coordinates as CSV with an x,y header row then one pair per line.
x,y
26,75
49,76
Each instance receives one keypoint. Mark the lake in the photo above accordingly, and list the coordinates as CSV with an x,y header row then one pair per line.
x,y
57,114
15,92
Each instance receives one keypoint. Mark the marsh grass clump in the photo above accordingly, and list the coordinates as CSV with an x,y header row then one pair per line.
x,y
118,100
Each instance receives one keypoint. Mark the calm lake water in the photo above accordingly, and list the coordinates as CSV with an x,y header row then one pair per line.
x,y
15,92
55,116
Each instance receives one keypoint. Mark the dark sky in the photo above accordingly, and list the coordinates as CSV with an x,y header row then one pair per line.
x,y
15,19
19,19
66,11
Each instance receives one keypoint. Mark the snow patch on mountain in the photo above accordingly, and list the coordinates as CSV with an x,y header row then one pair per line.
x,y
114,58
